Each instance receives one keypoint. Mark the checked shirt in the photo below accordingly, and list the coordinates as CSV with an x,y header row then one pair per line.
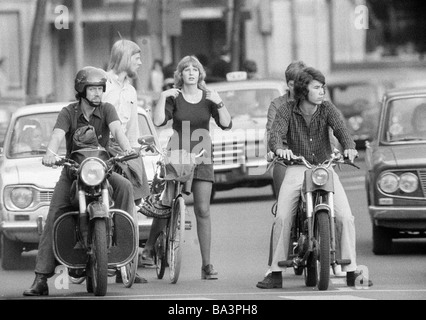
x,y
290,131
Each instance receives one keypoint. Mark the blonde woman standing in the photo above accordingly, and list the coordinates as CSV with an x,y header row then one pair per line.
x,y
191,106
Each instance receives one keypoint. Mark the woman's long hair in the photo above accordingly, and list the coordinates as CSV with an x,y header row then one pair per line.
x,y
184,63
121,54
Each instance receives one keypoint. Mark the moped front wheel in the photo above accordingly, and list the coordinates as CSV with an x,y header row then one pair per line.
x,y
322,234
176,238
99,258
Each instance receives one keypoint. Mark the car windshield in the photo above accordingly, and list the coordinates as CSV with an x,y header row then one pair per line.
x,y
353,99
405,120
31,134
252,103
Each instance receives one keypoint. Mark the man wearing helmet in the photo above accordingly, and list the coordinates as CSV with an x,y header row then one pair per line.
x,y
90,84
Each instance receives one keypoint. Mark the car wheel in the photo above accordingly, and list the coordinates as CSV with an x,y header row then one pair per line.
x,y
11,253
382,240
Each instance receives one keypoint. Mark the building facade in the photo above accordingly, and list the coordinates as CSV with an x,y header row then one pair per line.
x,y
327,34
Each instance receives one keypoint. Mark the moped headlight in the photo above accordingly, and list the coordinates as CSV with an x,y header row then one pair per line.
x,y
408,182
21,197
389,182
92,172
320,176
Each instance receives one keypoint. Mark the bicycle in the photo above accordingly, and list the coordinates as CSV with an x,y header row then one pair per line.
x,y
175,176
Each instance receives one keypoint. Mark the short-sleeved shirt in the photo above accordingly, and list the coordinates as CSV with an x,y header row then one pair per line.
x,y
101,118
191,129
191,122
123,97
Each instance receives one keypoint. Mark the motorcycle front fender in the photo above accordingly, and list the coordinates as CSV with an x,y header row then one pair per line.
x,y
97,210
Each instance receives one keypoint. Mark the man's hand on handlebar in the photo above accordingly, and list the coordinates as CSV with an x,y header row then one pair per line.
x,y
285,154
351,154
50,160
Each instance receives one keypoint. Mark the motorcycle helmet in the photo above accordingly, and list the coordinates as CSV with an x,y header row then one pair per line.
x,y
89,76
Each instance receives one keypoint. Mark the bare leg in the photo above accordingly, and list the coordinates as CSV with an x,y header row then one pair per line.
x,y
202,191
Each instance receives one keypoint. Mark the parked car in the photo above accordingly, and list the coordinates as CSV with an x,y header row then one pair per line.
x,y
358,96
396,169
358,100
4,122
26,186
239,154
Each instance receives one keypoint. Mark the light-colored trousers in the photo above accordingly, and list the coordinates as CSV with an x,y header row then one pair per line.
x,y
287,206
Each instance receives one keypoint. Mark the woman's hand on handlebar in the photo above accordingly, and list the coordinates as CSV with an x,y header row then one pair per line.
x,y
285,154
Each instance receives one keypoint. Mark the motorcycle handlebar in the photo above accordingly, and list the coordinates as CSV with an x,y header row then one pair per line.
x,y
301,160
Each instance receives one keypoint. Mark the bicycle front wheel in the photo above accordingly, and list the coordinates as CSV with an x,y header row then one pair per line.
x,y
176,238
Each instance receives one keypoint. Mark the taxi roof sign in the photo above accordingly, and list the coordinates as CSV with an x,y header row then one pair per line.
x,y
236,76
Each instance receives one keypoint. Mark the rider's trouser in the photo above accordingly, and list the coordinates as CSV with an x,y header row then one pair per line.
x,y
60,204
287,206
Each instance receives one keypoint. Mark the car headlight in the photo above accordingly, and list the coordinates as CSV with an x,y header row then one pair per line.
x,y
21,197
320,176
389,182
408,182
92,172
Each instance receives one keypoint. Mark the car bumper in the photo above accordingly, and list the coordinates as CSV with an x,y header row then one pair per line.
x,y
23,232
409,218
242,175
144,224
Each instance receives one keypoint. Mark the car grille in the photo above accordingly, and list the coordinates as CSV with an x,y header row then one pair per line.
x,y
228,153
46,196
422,175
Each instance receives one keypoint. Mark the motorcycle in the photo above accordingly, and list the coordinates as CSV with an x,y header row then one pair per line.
x,y
95,238
313,234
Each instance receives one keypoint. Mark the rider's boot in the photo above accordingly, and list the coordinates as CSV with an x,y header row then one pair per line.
x,y
271,281
39,286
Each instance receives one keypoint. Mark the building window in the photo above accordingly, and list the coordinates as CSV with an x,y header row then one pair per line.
x,y
10,47
396,30
383,32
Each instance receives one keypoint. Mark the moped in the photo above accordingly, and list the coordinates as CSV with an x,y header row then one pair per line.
x,y
95,237
313,234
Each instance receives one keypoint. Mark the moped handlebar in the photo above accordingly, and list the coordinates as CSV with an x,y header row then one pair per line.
x,y
297,160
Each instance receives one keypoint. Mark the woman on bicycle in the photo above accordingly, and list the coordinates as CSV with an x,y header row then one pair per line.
x,y
191,105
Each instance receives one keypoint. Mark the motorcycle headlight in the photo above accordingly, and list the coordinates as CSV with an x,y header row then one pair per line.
x,y
389,182
21,197
320,176
408,182
92,172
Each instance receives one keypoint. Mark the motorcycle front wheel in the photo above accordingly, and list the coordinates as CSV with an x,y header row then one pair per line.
x,y
176,238
99,258
322,234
